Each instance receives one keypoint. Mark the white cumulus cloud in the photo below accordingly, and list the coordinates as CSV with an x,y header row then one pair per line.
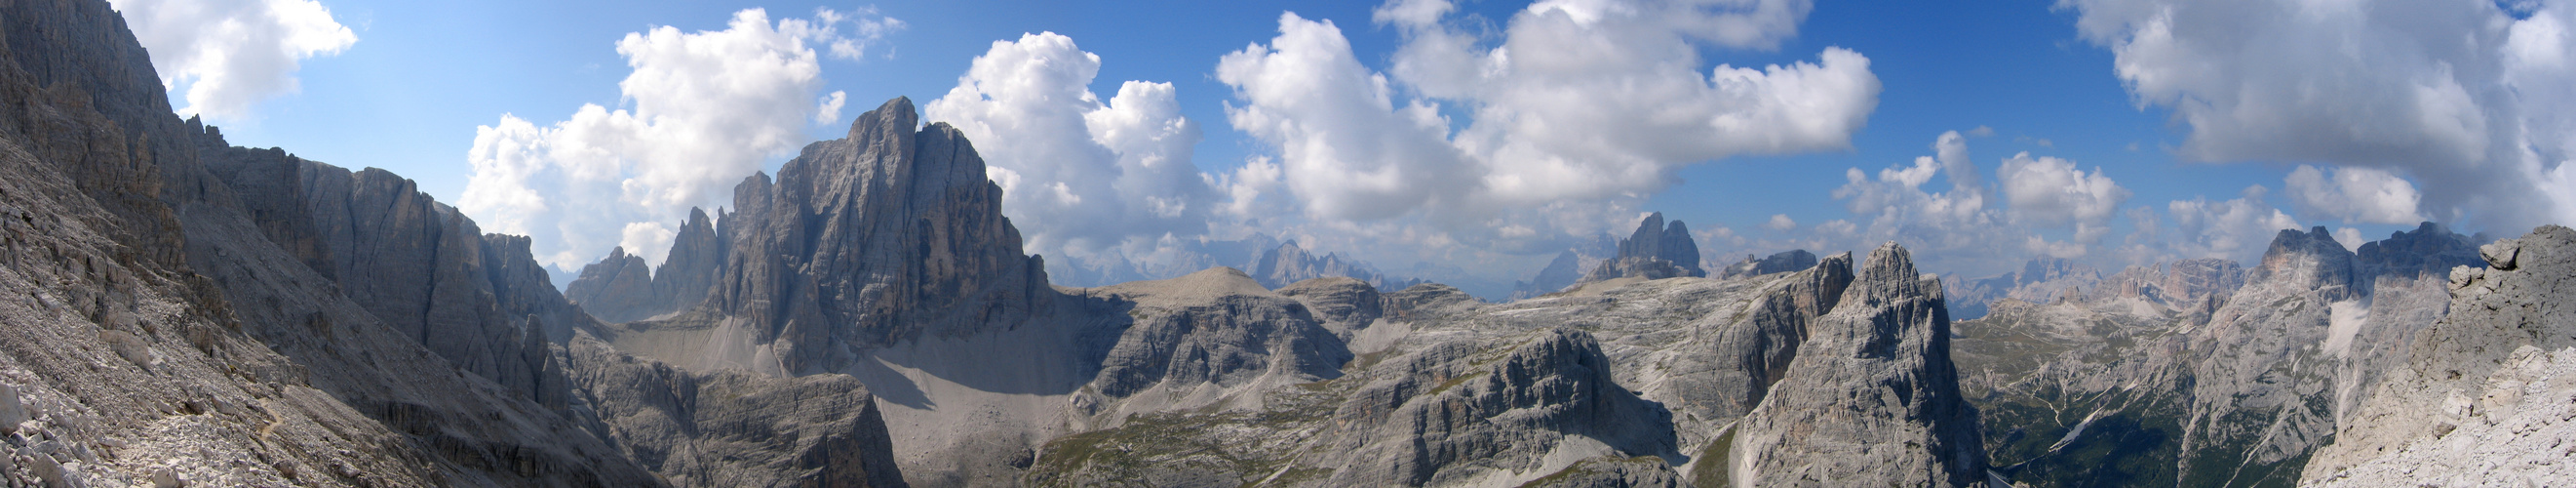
x,y
2361,195
1082,177
228,55
2239,229
2474,99
2052,192
702,110
1957,228
1577,103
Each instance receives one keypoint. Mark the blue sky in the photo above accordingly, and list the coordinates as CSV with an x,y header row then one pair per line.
x,y
410,91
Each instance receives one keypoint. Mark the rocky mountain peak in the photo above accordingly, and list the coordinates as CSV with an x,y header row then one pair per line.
x,y
618,288
877,238
621,288
2429,250
2309,259
1889,276
1655,251
1875,371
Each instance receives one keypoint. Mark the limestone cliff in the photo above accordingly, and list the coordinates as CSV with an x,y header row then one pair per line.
x,y
885,236
1871,398
240,357
623,288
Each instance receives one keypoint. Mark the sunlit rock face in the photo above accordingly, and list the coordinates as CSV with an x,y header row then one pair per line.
x,y
884,236
1872,397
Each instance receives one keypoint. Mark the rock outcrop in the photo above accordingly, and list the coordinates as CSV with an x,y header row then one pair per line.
x,y
1655,251
623,288
885,236
1196,336
1762,350
2483,399
418,265
1618,385
733,427
1871,398
2262,394
166,336
1447,417
618,288
1346,305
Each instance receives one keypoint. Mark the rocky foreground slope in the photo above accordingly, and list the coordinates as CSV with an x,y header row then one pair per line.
x,y
2487,394
193,313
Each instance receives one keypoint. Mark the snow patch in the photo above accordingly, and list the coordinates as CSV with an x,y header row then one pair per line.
x,y
2344,321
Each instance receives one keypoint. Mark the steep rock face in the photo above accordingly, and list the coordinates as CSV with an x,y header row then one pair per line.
x,y
91,104
2262,395
735,428
1654,251
1346,305
2203,277
1448,421
622,288
243,356
1871,399
2409,288
618,288
2430,250
1783,262
1762,349
2483,398
414,263
884,236
695,262
111,365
